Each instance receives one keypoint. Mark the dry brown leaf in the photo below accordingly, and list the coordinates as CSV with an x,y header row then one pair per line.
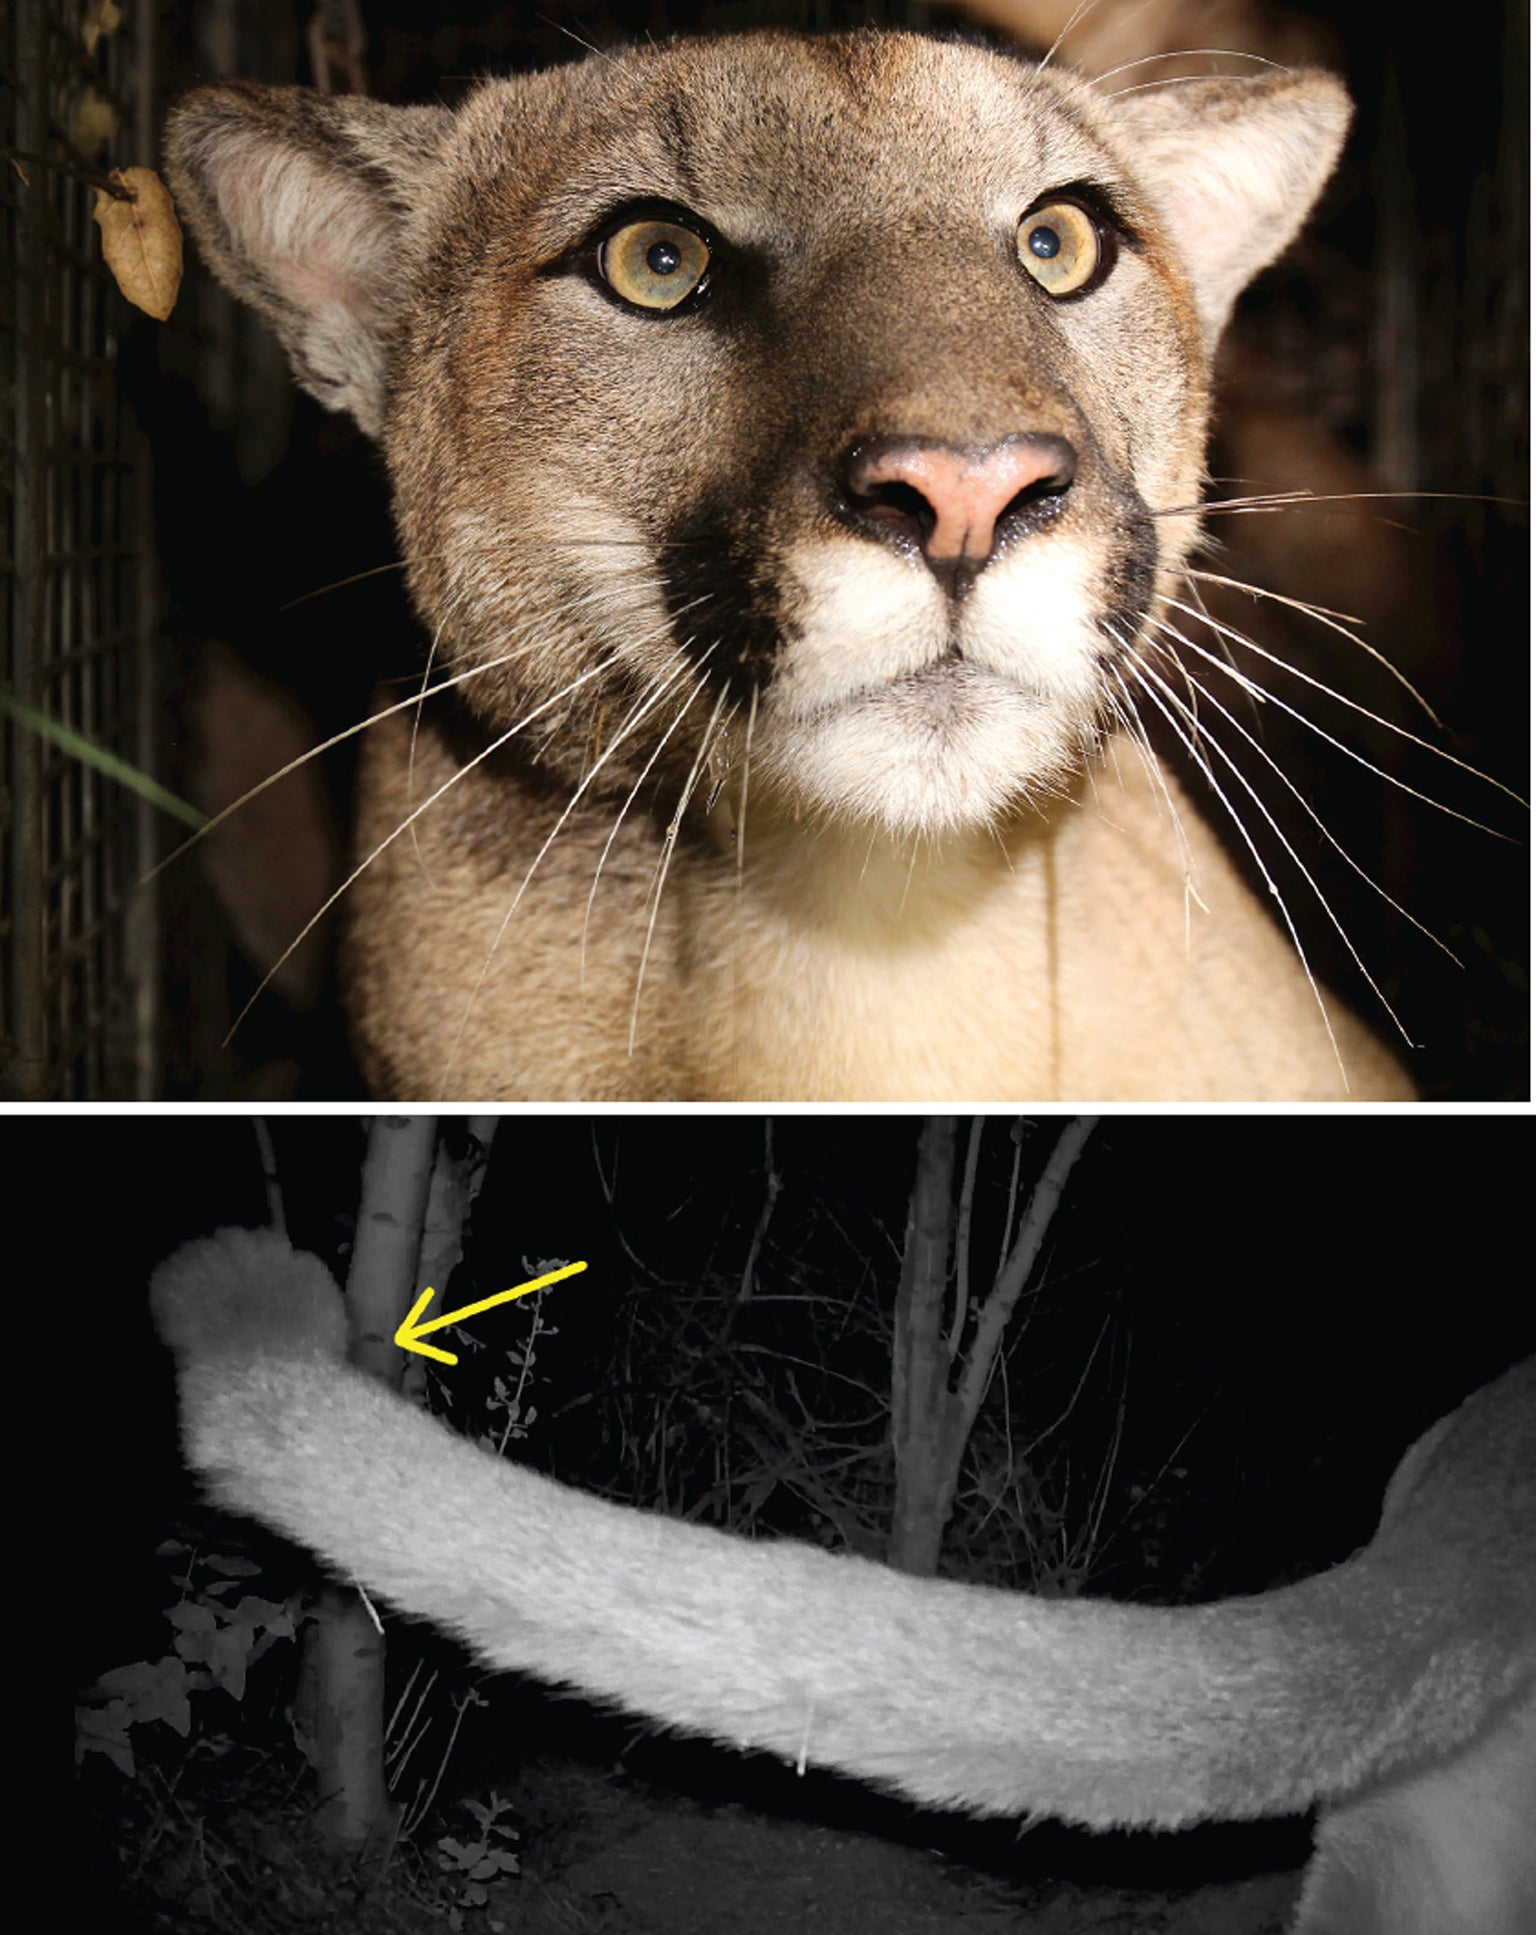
x,y
141,240
95,121
103,18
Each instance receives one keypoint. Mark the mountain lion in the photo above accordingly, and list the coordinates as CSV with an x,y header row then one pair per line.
x,y
1398,1690
796,448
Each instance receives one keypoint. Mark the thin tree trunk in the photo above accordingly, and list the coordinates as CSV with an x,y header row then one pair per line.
x,y
355,1807
938,1380
457,1178
922,1407
271,1182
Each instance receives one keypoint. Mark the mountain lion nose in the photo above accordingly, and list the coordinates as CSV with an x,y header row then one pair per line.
x,y
956,504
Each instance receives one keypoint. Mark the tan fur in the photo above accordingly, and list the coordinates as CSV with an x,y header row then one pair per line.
x,y
1398,1690
984,970
741,799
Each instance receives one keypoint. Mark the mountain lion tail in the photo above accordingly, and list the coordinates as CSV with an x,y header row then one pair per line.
x,y
959,1696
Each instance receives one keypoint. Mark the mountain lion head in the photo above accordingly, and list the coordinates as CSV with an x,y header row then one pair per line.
x,y
795,445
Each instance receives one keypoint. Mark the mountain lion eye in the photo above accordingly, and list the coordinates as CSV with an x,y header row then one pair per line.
x,y
1059,245
655,265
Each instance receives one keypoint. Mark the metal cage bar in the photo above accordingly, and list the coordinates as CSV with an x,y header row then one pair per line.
x,y
77,923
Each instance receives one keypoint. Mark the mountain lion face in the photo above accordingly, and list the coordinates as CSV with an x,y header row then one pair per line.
x,y
848,378
795,445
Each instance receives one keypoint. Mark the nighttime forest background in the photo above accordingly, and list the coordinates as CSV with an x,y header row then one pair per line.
x,y
1237,1327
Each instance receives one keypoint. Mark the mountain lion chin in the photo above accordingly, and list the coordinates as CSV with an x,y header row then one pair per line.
x,y
943,750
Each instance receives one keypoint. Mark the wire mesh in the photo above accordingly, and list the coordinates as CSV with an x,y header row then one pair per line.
x,y
77,929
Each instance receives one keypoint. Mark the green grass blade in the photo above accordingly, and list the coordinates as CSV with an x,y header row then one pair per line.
x,y
90,754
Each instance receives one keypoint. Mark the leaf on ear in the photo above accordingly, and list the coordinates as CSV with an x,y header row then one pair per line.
x,y
141,240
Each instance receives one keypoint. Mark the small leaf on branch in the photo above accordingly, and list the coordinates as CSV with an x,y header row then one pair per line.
x,y
102,18
94,123
141,240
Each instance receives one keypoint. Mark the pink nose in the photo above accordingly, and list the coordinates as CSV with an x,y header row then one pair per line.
x,y
951,501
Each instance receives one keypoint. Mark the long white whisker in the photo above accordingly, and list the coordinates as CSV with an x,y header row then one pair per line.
x,y
1083,7
746,768
1175,80
1273,500
1306,805
1094,83
906,885
1137,733
1271,698
1279,500
1303,605
633,795
1144,677
1225,757
669,843
314,752
627,728
341,584
431,800
1339,622
1125,709
421,699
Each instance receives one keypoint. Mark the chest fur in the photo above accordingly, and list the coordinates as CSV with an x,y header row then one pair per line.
x,y
1105,951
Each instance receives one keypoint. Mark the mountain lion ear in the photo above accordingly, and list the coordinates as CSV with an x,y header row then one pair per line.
x,y
1234,167
299,203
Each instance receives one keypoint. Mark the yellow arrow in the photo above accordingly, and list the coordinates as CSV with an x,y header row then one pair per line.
x,y
408,1333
